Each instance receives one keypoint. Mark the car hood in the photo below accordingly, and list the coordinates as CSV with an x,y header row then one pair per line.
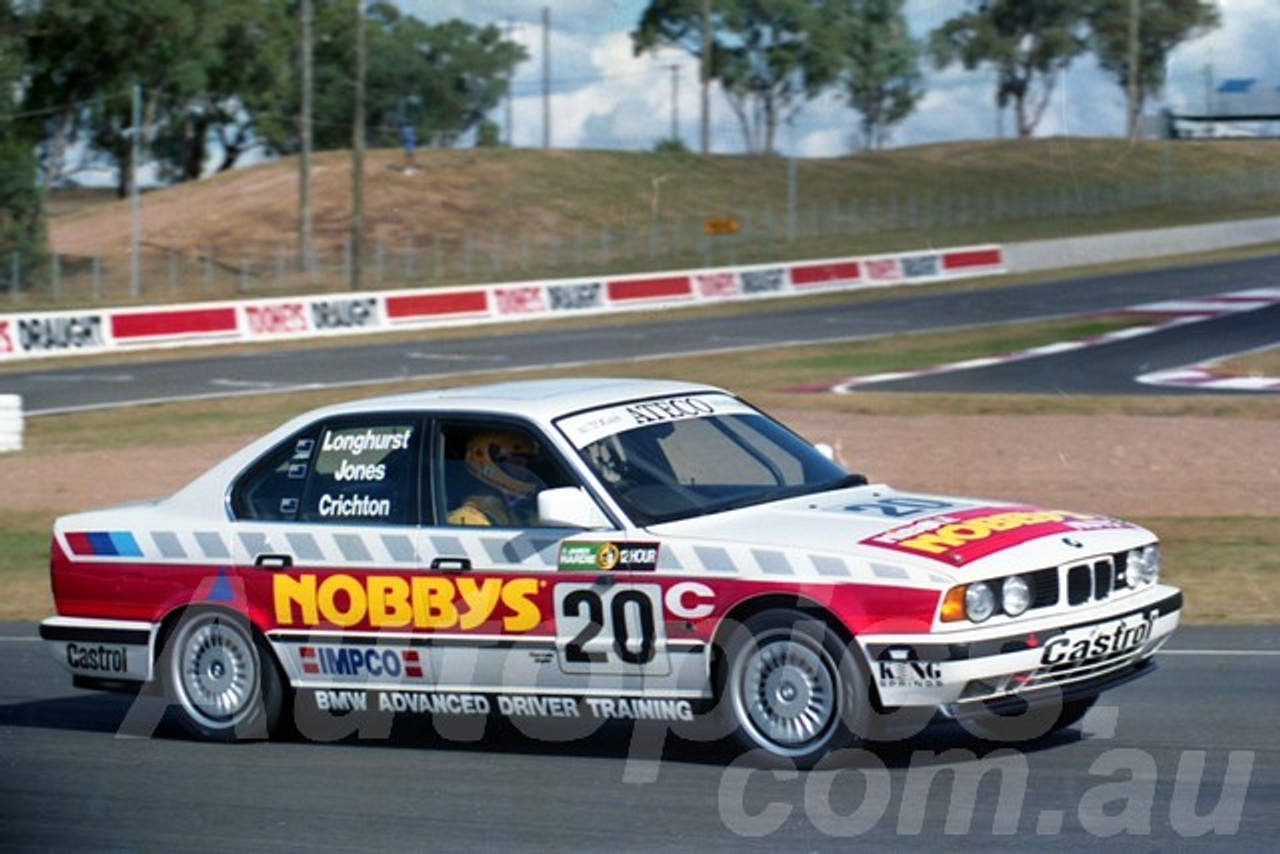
x,y
962,536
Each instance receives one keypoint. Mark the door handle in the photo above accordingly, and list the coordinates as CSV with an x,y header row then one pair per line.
x,y
270,561
451,564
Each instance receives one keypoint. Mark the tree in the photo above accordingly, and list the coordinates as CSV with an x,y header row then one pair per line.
x,y
1027,42
441,79
1161,25
86,56
21,228
466,72
881,77
769,56
248,88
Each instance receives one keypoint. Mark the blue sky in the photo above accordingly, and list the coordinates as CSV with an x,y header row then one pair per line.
x,y
604,97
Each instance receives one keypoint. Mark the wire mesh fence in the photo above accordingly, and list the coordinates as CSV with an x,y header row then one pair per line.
x,y
585,249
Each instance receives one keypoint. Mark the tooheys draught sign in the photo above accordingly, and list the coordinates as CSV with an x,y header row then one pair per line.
x,y
967,535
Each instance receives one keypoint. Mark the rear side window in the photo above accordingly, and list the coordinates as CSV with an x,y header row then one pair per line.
x,y
271,491
345,472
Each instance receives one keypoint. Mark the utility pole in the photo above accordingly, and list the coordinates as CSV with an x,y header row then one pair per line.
x,y
546,76
706,76
305,251
135,218
675,103
510,113
1135,62
357,155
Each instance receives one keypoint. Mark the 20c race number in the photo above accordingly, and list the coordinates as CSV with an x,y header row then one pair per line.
x,y
610,630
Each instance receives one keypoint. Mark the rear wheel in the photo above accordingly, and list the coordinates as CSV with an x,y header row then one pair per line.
x,y
791,687
226,687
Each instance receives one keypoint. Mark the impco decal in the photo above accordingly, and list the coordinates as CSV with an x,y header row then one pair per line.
x,y
623,557
967,535
592,426
361,662
396,601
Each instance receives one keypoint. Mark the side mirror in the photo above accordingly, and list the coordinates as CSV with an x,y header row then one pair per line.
x,y
570,507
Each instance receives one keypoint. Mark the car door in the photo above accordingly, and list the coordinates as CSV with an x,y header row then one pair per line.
x,y
528,616
324,538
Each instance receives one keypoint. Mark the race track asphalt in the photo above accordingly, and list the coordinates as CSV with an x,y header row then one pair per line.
x,y
1184,759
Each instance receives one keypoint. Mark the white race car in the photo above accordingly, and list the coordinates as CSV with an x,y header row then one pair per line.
x,y
597,549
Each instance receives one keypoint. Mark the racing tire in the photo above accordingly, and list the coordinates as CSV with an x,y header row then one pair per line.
x,y
792,689
224,684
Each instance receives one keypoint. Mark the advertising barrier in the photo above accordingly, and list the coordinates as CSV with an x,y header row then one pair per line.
x,y
41,334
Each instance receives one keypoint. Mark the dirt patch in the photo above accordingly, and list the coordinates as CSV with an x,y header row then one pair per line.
x,y
1121,465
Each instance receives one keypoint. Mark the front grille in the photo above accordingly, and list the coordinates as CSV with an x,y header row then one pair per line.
x,y
1045,588
1095,580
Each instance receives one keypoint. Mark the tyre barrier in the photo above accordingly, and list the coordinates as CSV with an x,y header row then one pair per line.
x,y
10,422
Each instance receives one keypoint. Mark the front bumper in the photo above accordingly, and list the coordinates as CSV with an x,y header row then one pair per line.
x,y
1068,656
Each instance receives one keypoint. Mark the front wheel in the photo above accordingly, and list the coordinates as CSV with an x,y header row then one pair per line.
x,y
792,687
225,686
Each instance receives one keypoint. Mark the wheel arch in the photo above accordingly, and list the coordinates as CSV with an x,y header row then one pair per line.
x,y
171,620
747,608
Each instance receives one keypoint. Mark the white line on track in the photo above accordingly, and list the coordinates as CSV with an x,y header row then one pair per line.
x,y
1249,652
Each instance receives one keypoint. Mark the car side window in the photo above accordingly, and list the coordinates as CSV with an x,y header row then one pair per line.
x,y
271,490
363,472
342,472
490,474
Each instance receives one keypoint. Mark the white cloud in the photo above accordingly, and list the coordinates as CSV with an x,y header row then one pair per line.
x,y
605,97
1244,45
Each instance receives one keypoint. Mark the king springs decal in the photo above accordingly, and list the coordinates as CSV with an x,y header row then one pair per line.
x,y
967,535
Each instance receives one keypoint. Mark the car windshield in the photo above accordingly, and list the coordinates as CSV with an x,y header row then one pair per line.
x,y
669,459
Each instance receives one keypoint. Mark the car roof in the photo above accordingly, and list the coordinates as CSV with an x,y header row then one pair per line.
x,y
540,399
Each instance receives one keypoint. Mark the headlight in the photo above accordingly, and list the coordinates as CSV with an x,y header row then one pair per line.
x,y
1015,595
979,601
1143,565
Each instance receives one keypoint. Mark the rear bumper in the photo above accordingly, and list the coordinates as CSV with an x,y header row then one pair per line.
x,y
973,671
101,653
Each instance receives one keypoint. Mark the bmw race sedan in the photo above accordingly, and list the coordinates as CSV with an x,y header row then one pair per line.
x,y
606,549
